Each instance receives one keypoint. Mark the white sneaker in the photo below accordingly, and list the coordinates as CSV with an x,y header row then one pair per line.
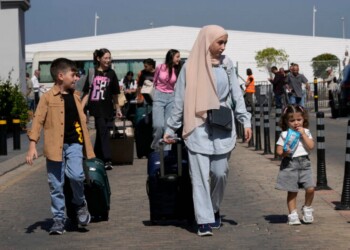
x,y
307,214
293,219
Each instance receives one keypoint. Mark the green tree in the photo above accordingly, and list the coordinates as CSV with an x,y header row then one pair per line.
x,y
269,57
321,62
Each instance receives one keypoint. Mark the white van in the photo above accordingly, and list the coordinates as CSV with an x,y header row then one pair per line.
x,y
122,61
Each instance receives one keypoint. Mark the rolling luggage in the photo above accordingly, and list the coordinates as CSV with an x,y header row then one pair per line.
x,y
143,131
122,142
96,189
169,186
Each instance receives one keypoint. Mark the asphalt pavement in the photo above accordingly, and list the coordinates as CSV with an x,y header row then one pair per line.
x,y
254,212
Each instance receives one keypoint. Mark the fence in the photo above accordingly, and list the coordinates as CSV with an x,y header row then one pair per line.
x,y
264,94
308,68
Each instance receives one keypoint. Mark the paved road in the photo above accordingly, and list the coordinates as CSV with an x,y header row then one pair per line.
x,y
254,214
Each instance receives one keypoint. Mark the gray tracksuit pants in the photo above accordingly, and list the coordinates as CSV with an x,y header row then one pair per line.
x,y
209,176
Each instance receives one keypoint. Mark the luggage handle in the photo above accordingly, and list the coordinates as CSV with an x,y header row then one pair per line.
x,y
123,118
179,156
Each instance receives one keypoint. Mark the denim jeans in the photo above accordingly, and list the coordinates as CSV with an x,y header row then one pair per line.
x,y
295,100
72,166
161,110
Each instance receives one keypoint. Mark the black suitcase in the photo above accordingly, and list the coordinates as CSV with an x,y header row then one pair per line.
x,y
97,192
143,131
122,142
169,186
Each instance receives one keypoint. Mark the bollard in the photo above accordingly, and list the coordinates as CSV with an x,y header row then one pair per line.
x,y
345,196
3,136
278,130
315,94
16,125
251,142
321,154
257,128
267,145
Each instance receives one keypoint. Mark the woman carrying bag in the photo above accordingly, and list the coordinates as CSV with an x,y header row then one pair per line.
x,y
206,84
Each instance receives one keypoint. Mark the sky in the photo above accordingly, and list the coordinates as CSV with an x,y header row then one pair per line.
x,y
52,20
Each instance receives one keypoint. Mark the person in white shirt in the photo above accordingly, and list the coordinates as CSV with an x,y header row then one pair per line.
x,y
295,170
36,86
346,59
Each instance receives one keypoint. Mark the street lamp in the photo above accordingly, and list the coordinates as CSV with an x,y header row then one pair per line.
x,y
313,20
343,20
96,18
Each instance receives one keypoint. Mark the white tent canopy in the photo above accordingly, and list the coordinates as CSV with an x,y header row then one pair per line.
x,y
241,48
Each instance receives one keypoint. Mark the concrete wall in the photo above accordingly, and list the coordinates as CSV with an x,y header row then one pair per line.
x,y
12,46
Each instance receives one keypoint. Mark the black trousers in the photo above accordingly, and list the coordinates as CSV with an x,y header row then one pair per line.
x,y
36,99
102,146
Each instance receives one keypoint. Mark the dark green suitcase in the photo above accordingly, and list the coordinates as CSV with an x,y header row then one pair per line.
x,y
97,192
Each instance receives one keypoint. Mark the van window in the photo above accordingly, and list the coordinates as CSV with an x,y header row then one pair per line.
x,y
121,67
45,75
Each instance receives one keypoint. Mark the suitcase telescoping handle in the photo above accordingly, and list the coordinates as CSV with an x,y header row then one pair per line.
x,y
123,118
179,156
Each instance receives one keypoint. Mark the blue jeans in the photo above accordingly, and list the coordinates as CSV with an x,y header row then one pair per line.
x,y
161,110
278,100
72,166
296,100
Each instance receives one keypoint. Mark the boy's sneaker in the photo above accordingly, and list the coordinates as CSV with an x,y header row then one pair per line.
x,y
108,165
57,227
204,230
307,214
293,218
83,215
217,223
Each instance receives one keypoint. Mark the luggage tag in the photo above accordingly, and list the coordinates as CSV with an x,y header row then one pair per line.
x,y
292,140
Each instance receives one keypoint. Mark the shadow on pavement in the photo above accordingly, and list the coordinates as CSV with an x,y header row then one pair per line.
x,y
184,224
47,223
229,221
276,218
43,225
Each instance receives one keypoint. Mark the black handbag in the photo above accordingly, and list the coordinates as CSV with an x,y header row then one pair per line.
x,y
220,118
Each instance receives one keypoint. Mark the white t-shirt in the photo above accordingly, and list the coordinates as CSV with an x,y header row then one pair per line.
x,y
132,85
36,84
300,150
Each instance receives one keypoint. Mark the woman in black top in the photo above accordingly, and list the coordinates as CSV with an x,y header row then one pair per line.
x,y
102,97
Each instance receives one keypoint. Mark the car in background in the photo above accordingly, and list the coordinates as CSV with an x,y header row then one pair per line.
x,y
339,97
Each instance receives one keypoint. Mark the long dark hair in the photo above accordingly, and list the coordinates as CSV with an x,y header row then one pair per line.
x,y
98,54
169,58
126,80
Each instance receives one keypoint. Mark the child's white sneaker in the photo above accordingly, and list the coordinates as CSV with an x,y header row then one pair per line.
x,y
293,218
307,214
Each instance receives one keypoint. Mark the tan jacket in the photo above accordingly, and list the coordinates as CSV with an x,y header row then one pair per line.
x,y
50,116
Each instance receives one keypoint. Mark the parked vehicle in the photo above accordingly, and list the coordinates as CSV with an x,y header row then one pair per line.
x,y
339,98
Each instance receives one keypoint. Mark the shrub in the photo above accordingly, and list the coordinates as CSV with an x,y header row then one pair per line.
x,y
12,102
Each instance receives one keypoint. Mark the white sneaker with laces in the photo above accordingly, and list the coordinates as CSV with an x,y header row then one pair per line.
x,y
307,214
293,218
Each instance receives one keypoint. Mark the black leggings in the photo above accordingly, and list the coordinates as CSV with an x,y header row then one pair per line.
x,y
102,145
